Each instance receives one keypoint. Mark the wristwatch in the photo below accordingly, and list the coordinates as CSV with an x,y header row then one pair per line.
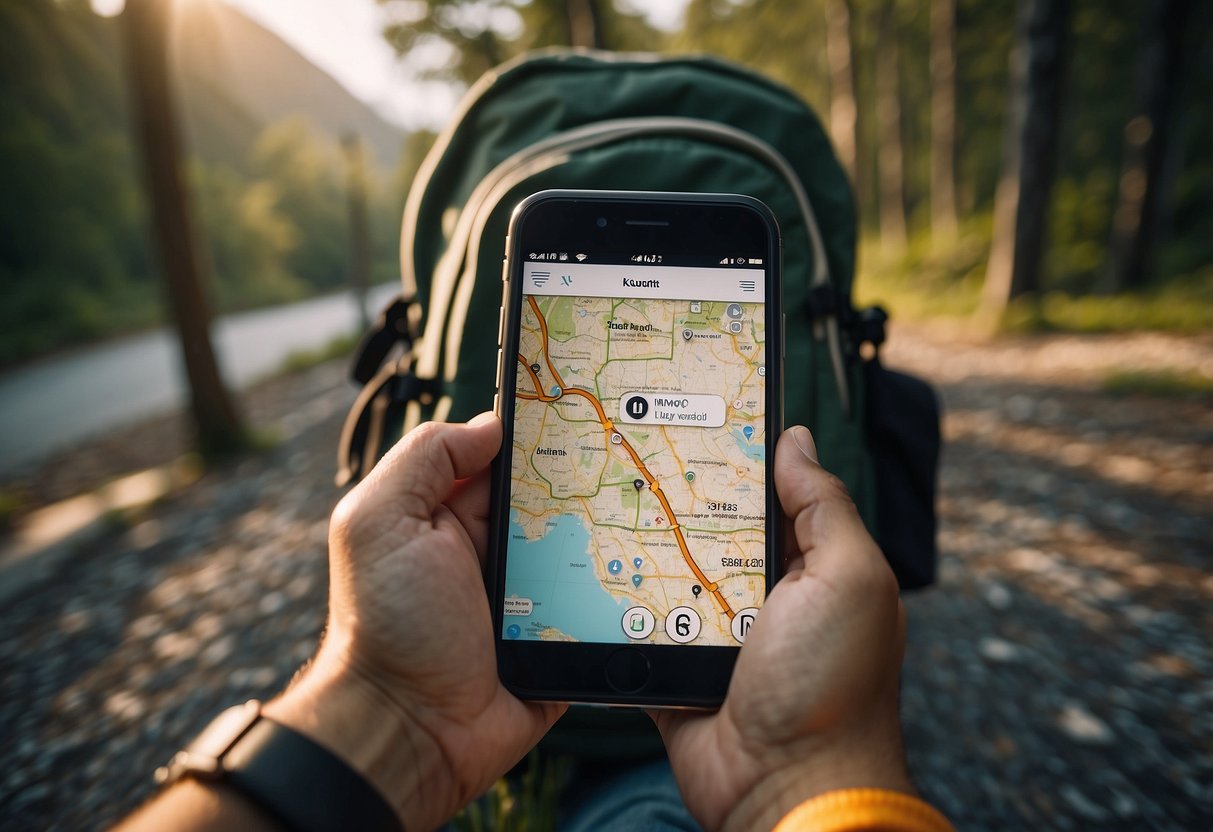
x,y
296,780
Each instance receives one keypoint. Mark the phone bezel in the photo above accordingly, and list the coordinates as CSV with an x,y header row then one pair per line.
x,y
680,675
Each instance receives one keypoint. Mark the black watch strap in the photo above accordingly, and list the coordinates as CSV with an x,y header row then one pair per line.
x,y
295,780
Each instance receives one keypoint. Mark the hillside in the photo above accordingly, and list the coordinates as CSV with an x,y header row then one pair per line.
x,y
265,172
237,77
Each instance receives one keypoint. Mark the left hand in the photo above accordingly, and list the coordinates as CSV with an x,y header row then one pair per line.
x,y
405,684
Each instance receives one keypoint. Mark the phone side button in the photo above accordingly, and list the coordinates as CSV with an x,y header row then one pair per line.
x,y
497,405
498,382
627,670
505,271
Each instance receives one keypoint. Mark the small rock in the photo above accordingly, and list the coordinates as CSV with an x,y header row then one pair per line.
x,y
124,705
271,603
1082,804
998,596
997,650
217,651
1084,726
1123,805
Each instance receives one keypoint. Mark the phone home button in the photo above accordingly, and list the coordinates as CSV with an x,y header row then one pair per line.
x,y
627,670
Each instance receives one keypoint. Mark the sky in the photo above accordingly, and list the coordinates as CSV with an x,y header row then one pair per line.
x,y
343,37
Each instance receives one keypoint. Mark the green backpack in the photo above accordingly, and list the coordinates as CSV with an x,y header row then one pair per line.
x,y
576,119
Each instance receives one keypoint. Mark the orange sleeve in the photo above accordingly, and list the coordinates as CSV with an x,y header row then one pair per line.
x,y
864,810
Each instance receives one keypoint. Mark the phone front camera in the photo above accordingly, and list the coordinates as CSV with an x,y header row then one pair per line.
x,y
601,222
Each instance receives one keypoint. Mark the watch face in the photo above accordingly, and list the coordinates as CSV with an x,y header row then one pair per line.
x,y
202,756
226,728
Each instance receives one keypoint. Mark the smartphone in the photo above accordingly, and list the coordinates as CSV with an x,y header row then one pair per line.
x,y
635,531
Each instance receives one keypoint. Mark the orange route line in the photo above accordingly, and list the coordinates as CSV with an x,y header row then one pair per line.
x,y
609,428
543,330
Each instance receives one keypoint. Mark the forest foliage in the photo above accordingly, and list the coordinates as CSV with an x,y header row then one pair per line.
x,y
75,259
910,255
75,263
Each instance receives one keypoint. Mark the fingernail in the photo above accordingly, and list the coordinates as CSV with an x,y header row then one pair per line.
x,y
807,446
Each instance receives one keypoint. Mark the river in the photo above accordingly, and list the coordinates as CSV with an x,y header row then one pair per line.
x,y
60,401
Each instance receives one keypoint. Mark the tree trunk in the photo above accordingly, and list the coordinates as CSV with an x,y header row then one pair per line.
x,y
217,423
943,118
584,23
1029,156
360,238
1138,222
844,123
889,163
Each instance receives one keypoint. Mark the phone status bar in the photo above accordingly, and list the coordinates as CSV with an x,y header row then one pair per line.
x,y
642,259
651,281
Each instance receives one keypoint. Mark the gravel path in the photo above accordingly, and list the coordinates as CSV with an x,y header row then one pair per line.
x,y
1060,675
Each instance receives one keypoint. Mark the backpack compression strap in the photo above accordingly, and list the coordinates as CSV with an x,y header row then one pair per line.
x,y
387,386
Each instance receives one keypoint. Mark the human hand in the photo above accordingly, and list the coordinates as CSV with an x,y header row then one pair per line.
x,y
812,705
405,685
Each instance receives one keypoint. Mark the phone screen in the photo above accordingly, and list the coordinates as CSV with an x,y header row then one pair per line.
x,y
637,497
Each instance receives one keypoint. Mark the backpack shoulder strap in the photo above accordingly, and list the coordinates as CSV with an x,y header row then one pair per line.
x,y
383,366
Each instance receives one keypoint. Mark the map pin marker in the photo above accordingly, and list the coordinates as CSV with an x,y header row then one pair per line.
x,y
535,368
637,561
696,589
636,579
686,334
638,483
748,431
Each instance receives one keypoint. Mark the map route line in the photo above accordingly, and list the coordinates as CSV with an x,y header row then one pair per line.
x,y
608,427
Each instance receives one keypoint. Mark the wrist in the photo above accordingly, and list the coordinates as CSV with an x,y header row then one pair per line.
x,y
349,715
814,772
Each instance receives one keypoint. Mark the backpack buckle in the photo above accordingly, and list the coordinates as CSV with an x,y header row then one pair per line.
x,y
408,387
396,324
870,326
377,415
822,302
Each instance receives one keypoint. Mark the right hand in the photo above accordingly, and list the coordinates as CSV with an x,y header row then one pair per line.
x,y
812,706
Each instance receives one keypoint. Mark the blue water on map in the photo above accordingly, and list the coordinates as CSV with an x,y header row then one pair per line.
x,y
557,572
756,451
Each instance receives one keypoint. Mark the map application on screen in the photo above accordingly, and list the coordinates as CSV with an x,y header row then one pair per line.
x,y
637,497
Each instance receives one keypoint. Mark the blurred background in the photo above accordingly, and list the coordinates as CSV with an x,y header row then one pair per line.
x,y
1035,192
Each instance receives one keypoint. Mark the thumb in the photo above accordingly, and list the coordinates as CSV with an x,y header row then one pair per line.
x,y
419,472
826,523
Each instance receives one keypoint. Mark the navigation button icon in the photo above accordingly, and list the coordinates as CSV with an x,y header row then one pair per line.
x,y
637,407
638,623
682,624
742,622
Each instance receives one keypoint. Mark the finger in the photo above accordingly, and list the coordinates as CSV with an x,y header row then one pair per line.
x,y
824,518
470,505
420,471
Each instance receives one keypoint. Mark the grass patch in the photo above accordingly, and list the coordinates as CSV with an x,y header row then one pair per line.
x,y
13,503
340,347
524,804
1166,384
930,281
1182,306
926,281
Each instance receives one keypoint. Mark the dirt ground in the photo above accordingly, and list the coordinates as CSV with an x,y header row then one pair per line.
x,y
1059,675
